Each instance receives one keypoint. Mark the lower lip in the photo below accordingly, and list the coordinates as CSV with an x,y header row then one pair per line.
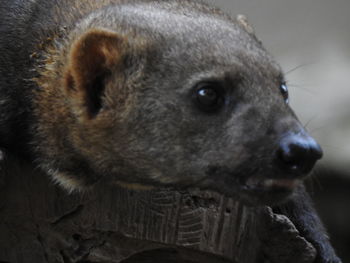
x,y
268,184
280,183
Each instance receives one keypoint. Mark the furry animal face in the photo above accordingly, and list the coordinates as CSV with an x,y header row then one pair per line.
x,y
180,96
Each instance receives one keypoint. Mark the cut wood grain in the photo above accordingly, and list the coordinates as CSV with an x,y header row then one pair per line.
x,y
40,223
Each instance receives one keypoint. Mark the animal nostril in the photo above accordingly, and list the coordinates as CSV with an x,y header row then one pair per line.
x,y
299,153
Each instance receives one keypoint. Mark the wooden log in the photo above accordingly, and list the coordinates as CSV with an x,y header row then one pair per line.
x,y
40,222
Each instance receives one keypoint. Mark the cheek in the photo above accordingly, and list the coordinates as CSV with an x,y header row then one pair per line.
x,y
225,154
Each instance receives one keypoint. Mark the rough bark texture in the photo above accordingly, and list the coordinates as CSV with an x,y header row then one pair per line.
x,y
39,222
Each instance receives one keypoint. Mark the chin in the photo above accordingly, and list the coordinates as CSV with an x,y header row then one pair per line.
x,y
265,197
267,191
258,191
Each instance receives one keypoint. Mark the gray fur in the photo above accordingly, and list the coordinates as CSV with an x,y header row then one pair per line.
x,y
156,135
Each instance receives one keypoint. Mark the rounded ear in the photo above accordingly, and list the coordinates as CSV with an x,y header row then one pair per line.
x,y
93,58
243,21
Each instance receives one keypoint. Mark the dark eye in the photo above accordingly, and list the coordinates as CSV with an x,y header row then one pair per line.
x,y
208,96
284,91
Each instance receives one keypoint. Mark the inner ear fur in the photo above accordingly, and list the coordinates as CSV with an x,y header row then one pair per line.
x,y
92,59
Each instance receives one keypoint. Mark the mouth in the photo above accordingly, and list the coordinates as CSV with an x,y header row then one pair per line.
x,y
271,183
267,191
253,188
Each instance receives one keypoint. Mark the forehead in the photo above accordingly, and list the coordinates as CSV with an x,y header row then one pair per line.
x,y
187,33
188,37
196,30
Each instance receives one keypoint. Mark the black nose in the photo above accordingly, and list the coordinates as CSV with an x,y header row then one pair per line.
x,y
298,153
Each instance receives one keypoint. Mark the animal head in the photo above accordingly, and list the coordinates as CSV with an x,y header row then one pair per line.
x,y
170,94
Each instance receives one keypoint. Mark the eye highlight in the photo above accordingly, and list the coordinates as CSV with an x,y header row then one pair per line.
x,y
209,96
284,91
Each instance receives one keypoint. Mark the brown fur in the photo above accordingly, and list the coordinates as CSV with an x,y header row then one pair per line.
x,y
115,99
95,55
89,97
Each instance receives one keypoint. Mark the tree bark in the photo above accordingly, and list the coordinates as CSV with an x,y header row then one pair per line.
x,y
40,222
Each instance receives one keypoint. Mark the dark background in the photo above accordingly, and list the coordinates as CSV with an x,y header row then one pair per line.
x,y
314,36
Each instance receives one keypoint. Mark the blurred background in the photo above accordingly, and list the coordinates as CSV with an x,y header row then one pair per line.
x,y
311,41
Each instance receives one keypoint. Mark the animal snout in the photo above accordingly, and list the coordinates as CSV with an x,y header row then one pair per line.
x,y
298,153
